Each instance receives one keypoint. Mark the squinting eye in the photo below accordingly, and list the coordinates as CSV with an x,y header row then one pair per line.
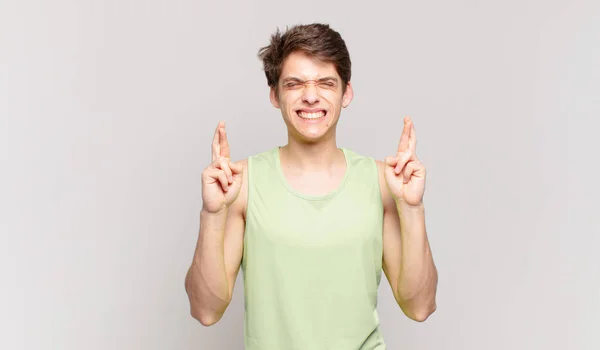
x,y
291,85
328,84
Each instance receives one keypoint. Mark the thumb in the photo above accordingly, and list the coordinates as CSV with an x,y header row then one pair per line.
x,y
391,161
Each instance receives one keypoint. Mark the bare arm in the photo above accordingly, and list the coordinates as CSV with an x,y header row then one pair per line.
x,y
407,259
217,257
211,277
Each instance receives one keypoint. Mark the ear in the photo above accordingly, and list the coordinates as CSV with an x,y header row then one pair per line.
x,y
348,95
273,97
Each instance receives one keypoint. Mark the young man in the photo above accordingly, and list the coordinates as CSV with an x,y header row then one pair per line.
x,y
312,225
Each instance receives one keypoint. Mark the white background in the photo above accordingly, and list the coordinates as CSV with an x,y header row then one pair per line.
x,y
107,111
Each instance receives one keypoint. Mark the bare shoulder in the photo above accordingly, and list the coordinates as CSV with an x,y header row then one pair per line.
x,y
386,196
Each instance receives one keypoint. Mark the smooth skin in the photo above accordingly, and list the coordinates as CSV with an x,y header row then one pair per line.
x,y
312,164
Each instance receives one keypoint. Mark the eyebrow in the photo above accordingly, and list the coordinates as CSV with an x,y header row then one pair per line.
x,y
298,79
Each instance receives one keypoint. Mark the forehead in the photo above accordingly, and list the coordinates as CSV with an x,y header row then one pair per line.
x,y
302,66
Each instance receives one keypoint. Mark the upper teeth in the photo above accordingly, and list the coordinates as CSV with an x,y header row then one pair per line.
x,y
311,115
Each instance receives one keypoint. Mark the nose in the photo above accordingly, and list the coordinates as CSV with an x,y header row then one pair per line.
x,y
310,94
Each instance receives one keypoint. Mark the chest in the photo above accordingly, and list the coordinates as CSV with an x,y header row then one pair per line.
x,y
314,184
344,220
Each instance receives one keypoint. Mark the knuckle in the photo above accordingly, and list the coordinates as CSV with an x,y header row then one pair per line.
x,y
219,162
225,166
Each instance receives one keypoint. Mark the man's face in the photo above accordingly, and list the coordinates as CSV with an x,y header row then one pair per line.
x,y
310,97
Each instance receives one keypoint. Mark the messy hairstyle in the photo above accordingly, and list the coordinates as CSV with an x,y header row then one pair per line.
x,y
316,40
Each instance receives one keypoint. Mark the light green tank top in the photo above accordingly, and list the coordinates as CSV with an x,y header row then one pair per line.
x,y
312,264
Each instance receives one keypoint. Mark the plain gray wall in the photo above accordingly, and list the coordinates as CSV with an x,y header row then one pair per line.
x,y
107,112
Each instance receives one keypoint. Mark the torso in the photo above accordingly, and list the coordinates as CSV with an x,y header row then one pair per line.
x,y
312,256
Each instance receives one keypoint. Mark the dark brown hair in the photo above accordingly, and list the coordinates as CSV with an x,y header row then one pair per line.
x,y
316,40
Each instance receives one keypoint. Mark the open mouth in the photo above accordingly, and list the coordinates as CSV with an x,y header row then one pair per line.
x,y
311,115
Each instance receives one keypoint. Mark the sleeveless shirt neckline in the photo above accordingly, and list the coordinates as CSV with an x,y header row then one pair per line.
x,y
275,152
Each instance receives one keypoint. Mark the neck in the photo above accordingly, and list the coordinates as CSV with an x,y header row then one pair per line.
x,y
312,156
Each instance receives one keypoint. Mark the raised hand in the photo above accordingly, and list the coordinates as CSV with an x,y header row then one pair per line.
x,y
222,179
404,173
